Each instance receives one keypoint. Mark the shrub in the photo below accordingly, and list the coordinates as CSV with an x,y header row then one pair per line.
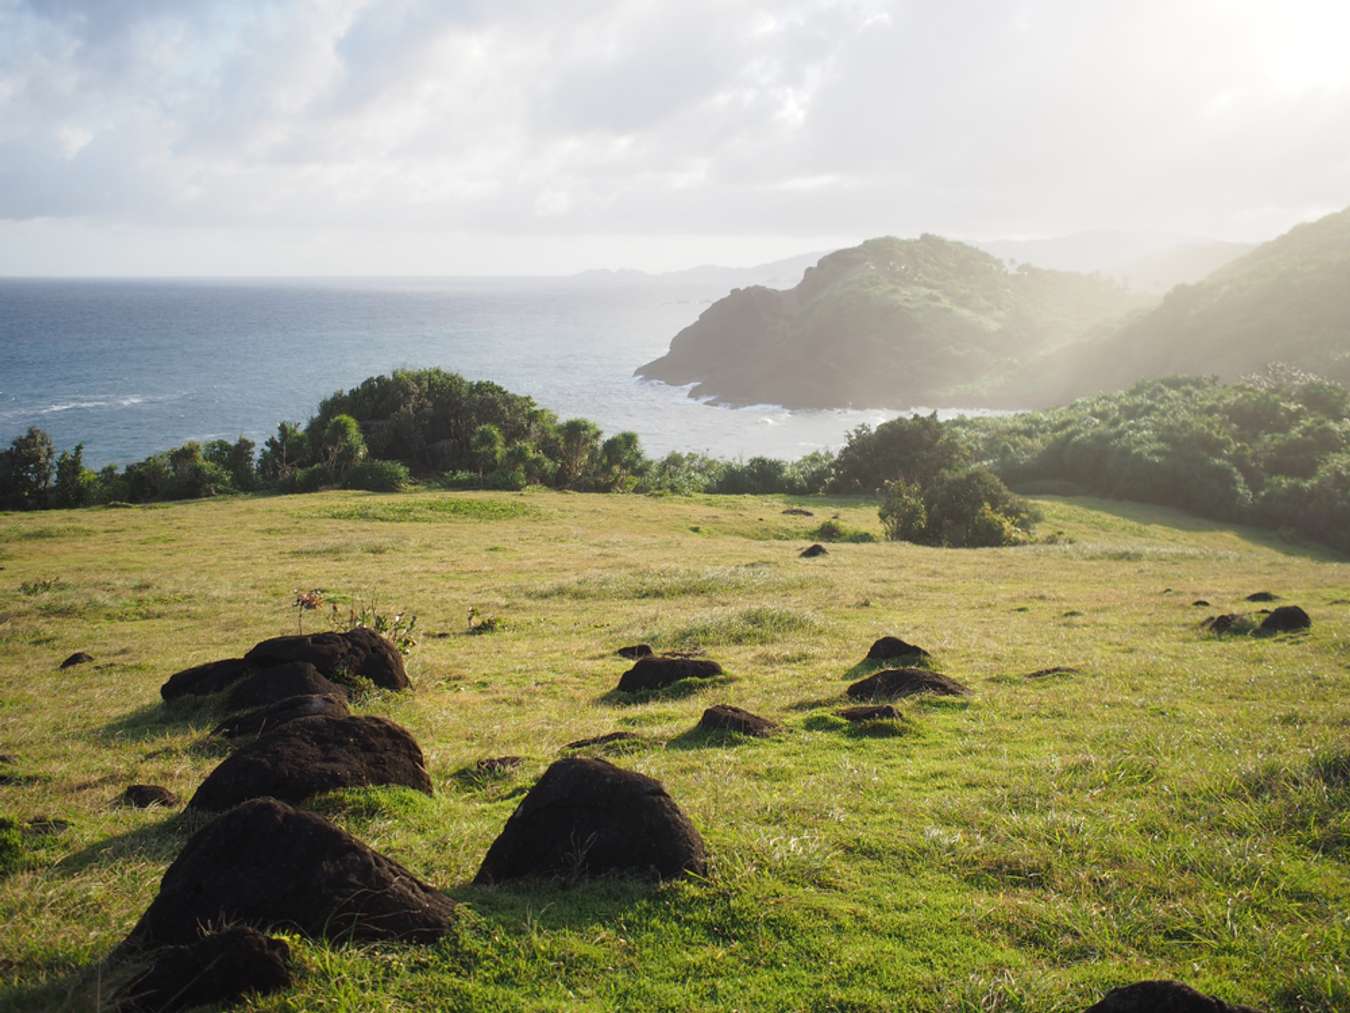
x,y
966,509
375,475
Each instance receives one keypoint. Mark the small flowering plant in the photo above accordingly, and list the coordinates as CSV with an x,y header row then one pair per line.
x,y
305,601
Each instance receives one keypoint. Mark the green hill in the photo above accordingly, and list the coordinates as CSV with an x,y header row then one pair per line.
x,y
890,323
1286,301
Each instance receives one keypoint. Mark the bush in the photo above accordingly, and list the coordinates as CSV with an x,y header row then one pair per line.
x,y
375,475
966,509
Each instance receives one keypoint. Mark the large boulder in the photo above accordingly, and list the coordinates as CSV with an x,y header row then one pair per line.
x,y
203,680
270,685
723,718
658,671
357,652
216,969
1162,997
893,648
309,756
900,682
1285,619
587,817
265,719
266,865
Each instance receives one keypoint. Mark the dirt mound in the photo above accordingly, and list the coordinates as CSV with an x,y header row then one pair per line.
x,y
1285,619
1263,596
272,685
797,512
587,817
890,648
267,865
635,651
601,740
143,796
900,682
309,756
1227,623
203,680
216,969
357,652
78,658
725,718
292,708
1200,603
812,551
1162,997
870,712
658,671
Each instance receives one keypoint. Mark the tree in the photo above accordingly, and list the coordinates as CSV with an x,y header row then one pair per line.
x,y
903,514
487,445
343,445
579,441
621,460
75,483
283,453
26,471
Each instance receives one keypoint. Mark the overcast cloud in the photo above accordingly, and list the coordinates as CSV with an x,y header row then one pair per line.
x,y
424,136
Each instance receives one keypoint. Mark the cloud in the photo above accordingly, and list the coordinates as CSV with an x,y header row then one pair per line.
x,y
717,117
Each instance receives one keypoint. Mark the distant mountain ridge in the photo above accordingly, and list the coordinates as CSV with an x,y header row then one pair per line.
x,y
775,274
1146,262
1286,301
889,323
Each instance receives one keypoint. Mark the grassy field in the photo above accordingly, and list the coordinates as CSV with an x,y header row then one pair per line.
x,y
1178,807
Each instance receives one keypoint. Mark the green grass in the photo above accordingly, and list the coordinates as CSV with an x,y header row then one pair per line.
x,y
1178,806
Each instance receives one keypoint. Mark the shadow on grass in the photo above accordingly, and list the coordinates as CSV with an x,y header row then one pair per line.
x,y
554,905
869,666
817,703
880,728
675,691
156,720
155,842
704,738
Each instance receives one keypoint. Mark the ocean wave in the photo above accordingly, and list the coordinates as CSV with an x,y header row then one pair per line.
x,y
89,403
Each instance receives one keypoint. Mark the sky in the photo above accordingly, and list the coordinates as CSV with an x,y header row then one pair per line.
x,y
436,137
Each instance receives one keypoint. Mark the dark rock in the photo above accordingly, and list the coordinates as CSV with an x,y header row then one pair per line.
x,y
899,682
78,658
601,740
494,766
216,969
265,719
587,817
357,652
1285,619
797,512
873,712
203,680
725,718
272,685
658,670
812,551
888,648
143,796
1263,596
308,756
267,865
1200,603
636,651
1162,997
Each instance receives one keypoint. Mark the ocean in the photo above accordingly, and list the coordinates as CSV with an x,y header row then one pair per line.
x,y
132,367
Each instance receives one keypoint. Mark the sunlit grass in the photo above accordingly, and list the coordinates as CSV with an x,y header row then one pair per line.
x,y
1172,804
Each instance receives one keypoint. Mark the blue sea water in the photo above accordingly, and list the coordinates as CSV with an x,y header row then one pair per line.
x,y
132,367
